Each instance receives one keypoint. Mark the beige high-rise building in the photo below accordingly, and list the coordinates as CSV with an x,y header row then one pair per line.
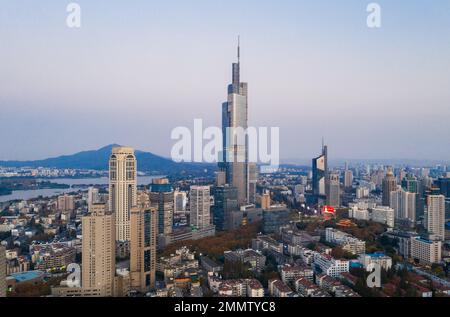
x,y
144,227
2,271
66,203
348,179
265,200
200,203
221,178
99,250
122,188
436,216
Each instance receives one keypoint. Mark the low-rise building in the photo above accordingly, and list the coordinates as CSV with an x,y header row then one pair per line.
x,y
426,251
289,274
256,260
378,258
305,287
278,288
241,288
209,265
328,283
52,256
266,243
176,264
346,241
345,291
384,215
326,264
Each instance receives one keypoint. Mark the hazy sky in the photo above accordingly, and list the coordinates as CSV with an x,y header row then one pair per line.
x,y
137,69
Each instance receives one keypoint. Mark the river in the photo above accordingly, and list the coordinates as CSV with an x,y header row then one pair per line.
x,y
30,194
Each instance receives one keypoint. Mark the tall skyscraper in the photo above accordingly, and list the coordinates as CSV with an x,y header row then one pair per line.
x,y
389,185
410,184
265,200
99,250
234,159
444,186
122,188
436,216
225,203
2,271
143,248
333,190
404,205
401,175
348,179
252,182
200,203
180,201
320,173
162,199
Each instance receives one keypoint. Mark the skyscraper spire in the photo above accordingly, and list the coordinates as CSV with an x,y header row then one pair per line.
x,y
236,69
239,49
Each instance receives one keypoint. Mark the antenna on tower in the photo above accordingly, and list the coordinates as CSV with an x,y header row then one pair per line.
x,y
239,49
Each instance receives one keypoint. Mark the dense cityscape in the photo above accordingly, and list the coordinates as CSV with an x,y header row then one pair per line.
x,y
357,230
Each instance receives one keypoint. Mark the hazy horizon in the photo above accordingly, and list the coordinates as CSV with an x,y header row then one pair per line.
x,y
136,70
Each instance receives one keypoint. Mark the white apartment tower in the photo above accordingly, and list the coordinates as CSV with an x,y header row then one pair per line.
x,y
436,216
200,203
122,188
404,205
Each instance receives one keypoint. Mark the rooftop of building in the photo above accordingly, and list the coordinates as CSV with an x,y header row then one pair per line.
x,y
377,255
26,276
280,286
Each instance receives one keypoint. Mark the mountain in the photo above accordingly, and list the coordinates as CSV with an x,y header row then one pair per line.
x,y
98,160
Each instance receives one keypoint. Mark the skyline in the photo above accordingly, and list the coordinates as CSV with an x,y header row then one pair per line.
x,y
82,83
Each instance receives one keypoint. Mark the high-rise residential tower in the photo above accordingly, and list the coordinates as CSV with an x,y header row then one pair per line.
x,y
144,227
404,205
389,185
122,188
99,251
234,160
200,203
436,216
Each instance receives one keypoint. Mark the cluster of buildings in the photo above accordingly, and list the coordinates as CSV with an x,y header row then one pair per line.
x,y
132,224
47,172
346,241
